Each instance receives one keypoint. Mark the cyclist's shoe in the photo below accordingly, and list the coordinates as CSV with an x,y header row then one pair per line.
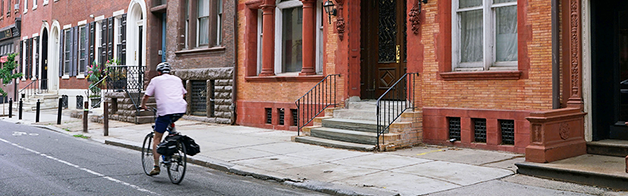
x,y
155,171
166,159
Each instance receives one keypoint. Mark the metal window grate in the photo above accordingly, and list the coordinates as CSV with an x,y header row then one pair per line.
x,y
479,130
508,131
281,116
269,116
454,128
64,101
199,98
79,102
294,117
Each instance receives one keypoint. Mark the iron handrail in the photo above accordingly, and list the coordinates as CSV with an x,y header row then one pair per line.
x,y
32,88
93,88
394,102
316,100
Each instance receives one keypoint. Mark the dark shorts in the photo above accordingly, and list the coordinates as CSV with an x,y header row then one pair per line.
x,y
162,122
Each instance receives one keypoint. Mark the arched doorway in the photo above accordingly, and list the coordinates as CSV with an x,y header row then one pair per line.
x,y
52,56
136,34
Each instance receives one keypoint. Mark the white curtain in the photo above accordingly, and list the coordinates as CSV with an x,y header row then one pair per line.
x,y
506,33
203,22
471,36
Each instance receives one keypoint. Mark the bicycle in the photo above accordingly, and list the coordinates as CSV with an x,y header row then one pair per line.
x,y
175,164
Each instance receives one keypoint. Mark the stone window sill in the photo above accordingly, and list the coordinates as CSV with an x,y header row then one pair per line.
x,y
200,50
285,78
481,75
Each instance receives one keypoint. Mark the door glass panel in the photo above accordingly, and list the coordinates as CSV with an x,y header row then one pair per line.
x,y
387,31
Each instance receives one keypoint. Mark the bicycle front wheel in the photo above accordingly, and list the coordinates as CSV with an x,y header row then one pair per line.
x,y
178,163
148,161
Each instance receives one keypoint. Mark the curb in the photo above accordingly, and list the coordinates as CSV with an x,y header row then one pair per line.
x,y
576,176
323,187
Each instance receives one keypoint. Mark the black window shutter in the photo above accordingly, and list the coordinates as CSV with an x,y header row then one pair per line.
x,y
103,43
61,51
91,43
29,59
110,38
74,51
123,41
36,63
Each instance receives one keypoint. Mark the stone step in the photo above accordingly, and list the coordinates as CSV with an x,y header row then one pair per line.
x,y
372,105
344,135
334,144
618,148
349,124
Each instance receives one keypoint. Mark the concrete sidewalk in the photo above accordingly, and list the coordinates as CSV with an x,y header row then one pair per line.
x,y
270,154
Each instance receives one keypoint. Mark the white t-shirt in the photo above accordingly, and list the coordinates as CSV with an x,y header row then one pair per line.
x,y
168,91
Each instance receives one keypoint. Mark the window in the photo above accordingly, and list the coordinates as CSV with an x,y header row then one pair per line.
x,y
67,46
203,23
289,36
34,4
260,35
25,6
484,35
82,49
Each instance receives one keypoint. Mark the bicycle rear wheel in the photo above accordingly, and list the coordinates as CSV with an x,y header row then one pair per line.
x,y
178,164
148,161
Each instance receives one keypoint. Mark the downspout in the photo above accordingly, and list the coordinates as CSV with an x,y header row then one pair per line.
x,y
234,91
555,57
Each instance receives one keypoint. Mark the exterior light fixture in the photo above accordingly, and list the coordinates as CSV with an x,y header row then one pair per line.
x,y
330,9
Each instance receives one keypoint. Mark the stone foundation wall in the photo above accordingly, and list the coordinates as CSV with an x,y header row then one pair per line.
x,y
224,107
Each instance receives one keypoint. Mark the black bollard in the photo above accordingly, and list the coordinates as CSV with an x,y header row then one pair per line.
x,y
11,108
20,110
106,118
59,111
37,111
85,116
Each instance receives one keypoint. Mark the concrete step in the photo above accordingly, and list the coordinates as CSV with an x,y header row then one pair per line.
x,y
334,144
349,124
618,148
344,135
355,114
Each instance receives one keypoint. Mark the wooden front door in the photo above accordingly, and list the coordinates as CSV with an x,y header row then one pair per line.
x,y
383,45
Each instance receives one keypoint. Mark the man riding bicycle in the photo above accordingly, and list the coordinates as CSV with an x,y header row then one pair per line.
x,y
171,105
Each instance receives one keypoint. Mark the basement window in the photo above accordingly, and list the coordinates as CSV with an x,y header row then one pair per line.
x,y
479,129
454,128
507,129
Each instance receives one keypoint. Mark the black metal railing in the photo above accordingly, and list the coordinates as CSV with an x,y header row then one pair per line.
x,y
316,100
33,88
394,102
125,77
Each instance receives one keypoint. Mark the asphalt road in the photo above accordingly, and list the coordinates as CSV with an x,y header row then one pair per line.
x,y
41,162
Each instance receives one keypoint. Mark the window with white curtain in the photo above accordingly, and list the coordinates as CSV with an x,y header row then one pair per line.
x,y
289,36
484,35
203,23
82,53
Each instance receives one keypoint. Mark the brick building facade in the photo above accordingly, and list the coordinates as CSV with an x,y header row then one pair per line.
x,y
483,82
10,27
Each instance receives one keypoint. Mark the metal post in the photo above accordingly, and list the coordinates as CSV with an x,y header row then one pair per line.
x,y
20,110
11,108
106,118
37,111
59,108
85,113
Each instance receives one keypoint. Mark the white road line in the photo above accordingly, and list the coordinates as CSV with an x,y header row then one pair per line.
x,y
79,167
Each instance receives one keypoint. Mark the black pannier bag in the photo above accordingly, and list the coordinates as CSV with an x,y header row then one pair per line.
x,y
191,147
168,146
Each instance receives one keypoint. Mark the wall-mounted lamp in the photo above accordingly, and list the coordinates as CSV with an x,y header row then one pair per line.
x,y
330,9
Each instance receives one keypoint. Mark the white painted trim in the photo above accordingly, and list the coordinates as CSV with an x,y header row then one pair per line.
x,y
586,70
82,22
118,13
278,28
67,26
24,38
35,34
45,2
260,40
99,18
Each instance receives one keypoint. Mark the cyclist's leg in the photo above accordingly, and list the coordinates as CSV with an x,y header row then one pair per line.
x,y
160,127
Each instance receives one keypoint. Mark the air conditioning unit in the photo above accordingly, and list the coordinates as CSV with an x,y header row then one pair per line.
x,y
17,6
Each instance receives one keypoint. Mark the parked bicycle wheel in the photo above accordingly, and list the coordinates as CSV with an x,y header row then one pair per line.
x,y
177,165
148,161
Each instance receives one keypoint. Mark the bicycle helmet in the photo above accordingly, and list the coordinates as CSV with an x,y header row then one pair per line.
x,y
163,67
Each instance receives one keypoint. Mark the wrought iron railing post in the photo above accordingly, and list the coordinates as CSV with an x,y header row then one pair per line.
x,y
398,98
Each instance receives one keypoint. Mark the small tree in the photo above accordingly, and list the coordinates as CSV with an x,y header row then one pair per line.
x,y
6,74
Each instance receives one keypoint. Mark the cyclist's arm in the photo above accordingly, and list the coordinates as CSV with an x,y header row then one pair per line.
x,y
144,100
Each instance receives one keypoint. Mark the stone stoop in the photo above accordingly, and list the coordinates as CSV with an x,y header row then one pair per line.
x,y
355,128
122,107
46,101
